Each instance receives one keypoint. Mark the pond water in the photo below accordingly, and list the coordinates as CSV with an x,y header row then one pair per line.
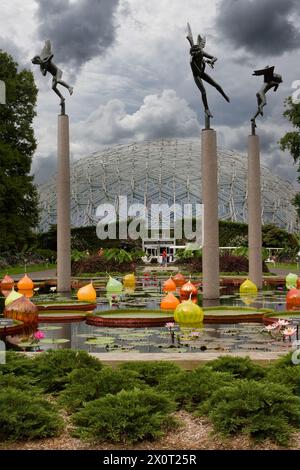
x,y
219,337
211,337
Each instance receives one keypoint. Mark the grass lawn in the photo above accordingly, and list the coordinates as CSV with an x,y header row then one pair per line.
x,y
290,266
30,269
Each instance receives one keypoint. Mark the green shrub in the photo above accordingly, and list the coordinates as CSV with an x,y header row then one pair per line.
x,y
239,367
262,410
152,373
128,416
189,389
17,364
25,416
51,368
285,372
284,361
288,376
87,384
50,255
17,381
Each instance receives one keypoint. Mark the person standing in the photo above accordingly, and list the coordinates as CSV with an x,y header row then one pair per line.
x,y
164,257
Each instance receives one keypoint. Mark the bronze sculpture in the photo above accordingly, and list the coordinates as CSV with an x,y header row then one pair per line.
x,y
271,80
198,62
44,60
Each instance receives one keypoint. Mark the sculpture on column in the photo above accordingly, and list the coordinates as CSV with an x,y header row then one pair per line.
x,y
198,62
44,60
271,80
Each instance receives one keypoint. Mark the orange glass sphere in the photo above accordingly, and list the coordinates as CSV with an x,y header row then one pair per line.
x,y
179,280
188,290
293,298
25,283
169,285
169,302
87,293
26,292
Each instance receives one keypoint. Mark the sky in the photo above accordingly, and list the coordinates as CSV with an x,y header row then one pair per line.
x,y
128,61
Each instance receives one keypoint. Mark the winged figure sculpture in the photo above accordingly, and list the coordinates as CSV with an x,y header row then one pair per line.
x,y
271,80
44,60
199,60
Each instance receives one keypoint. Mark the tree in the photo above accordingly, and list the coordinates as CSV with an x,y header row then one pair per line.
x,y
291,140
18,195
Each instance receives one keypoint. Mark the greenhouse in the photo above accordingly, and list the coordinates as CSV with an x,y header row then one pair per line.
x,y
165,172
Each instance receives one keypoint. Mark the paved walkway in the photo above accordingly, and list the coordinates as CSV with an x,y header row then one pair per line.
x,y
282,271
188,360
51,273
159,269
37,275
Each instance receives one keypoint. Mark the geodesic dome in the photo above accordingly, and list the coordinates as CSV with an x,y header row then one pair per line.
x,y
165,171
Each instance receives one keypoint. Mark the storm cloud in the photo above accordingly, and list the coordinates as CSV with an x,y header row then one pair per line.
x,y
80,30
164,115
261,27
9,46
43,168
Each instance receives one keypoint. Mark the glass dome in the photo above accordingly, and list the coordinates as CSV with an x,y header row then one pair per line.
x,y
165,171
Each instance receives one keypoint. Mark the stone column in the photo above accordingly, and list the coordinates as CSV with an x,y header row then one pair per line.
x,y
254,212
210,251
63,206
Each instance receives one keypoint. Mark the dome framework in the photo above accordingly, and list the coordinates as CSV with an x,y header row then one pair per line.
x,y
165,172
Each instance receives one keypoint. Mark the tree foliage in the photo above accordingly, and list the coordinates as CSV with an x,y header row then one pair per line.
x,y
291,140
18,196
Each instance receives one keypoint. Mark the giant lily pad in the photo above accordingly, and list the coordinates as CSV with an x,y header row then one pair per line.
x,y
51,328
27,344
99,341
54,341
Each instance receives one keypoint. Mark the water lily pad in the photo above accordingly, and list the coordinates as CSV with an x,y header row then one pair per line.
x,y
99,341
134,336
88,335
50,328
27,344
54,341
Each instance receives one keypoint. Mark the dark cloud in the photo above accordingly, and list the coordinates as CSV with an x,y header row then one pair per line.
x,y
280,163
163,115
9,46
262,27
268,141
43,168
78,30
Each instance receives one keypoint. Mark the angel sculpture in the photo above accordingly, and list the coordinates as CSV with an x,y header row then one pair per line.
x,y
44,60
198,62
271,80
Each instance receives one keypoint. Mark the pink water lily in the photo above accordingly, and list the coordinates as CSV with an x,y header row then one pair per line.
x,y
170,325
283,322
290,331
272,327
39,334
